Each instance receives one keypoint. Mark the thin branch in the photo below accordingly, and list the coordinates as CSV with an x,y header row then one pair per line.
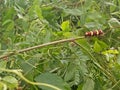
x,y
39,46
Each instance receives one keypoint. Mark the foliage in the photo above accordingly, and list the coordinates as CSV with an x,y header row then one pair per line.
x,y
90,63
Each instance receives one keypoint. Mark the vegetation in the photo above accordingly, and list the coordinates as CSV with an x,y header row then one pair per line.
x,y
42,45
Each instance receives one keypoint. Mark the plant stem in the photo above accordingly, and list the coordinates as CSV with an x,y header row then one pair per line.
x,y
17,72
40,46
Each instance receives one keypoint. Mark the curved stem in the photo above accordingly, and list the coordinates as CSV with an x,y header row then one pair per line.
x,y
17,72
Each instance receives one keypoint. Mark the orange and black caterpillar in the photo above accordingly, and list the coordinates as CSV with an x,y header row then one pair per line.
x,y
94,33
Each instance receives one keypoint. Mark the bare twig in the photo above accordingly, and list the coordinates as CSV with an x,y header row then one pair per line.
x,y
39,46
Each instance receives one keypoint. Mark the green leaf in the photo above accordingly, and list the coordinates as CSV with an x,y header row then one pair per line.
x,y
98,84
6,22
3,65
48,35
114,51
9,13
92,25
114,22
3,86
80,87
10,26
84,44
102,44
67,34
38,11
11,81
75,12
109,3
51,79
118,59
89,85
0,46
65,26
70,72
97,47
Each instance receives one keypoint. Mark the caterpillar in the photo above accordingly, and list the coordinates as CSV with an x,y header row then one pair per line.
x,y
94,33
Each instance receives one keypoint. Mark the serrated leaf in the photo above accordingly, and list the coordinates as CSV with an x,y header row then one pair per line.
x,y
51,79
